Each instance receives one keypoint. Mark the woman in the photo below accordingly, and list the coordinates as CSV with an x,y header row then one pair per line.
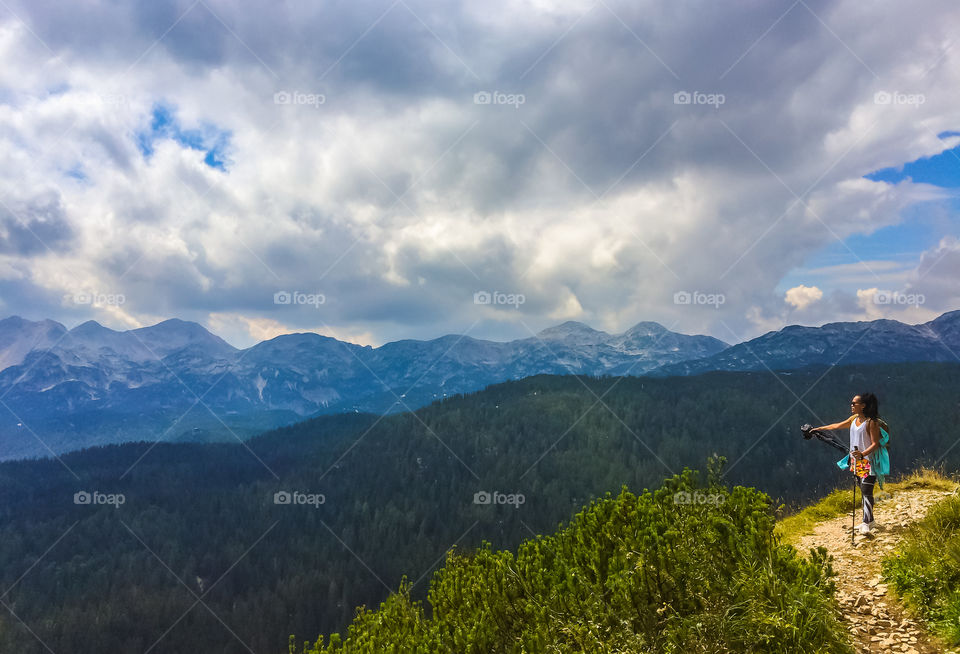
x,y
864,427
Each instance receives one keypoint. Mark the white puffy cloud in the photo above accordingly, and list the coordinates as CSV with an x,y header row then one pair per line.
x,y
398,197
802,296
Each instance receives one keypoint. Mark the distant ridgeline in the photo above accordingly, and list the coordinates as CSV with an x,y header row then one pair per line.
x,y
88,386
91,385
242,527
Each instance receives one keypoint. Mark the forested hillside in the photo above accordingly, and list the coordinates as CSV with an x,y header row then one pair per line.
x,y
399,491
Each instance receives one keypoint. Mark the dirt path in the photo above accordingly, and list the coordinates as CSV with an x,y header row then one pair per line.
x,y
876,618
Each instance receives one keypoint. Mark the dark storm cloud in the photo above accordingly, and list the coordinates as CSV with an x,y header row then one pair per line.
x,y
36,226
600,96
399,196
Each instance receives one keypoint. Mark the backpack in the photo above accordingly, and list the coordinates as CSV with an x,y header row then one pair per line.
x,y
881,458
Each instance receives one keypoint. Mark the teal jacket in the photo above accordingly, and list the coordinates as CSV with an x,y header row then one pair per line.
x,y
879,459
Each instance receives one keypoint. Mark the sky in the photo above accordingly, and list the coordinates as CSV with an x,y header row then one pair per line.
x,y
399,169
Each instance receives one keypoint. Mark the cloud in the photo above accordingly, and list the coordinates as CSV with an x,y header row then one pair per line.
x,y
935,277
889,274
34,225
803,296
866,299
167,171
235,327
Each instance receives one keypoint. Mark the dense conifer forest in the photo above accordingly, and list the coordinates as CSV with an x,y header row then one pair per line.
x,y
201,557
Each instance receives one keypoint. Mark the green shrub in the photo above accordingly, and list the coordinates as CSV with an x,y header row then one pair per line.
x,y
925,569
631,574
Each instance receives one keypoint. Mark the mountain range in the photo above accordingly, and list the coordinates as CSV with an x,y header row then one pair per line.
x,y
838,343
63,389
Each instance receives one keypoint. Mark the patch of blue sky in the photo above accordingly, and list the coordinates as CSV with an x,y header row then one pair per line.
x,y
889,253
881,259
58,89
207,138
939,170
77,173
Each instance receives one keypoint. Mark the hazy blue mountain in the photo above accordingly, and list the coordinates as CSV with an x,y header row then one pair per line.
x,y
838,343
65,389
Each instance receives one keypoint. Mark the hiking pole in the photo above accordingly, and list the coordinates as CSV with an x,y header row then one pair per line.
x,y
853,511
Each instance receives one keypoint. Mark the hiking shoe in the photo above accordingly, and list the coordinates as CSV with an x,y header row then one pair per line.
x,y
865,528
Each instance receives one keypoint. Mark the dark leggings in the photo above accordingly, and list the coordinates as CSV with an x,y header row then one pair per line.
x,y
866,489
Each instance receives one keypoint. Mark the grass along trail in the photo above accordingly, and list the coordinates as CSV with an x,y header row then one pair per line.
x,y
876,619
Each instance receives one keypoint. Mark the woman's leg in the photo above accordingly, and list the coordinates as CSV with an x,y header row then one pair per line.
x,y
866,490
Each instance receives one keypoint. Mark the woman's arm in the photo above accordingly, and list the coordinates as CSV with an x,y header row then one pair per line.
x,y
838,425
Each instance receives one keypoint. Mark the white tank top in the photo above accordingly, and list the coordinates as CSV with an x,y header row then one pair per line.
x,y
858,435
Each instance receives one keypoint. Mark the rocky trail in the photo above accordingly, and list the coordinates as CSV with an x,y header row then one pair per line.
x,y
875,617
